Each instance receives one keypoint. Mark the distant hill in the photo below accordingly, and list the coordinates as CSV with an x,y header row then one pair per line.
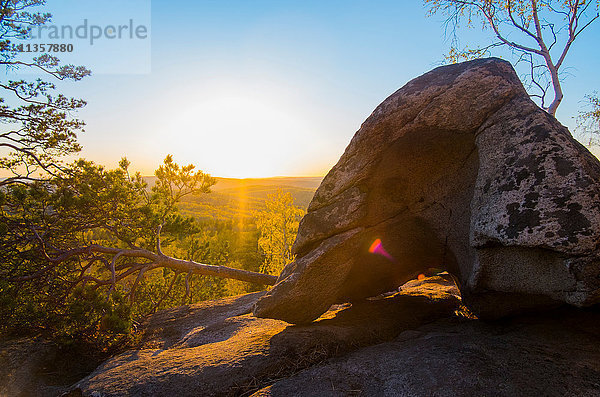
x,y
239,198
307,182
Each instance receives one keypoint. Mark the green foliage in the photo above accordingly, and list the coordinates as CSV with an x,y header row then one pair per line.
x,y
88,205
174,182
86,315
278,225
88,309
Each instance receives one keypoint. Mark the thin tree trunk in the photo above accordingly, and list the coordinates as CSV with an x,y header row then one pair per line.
x,y
558,94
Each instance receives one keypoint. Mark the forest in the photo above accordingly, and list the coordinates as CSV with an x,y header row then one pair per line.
x,y
249,225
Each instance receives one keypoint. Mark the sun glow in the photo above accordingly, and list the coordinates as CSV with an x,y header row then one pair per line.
x,y
241,136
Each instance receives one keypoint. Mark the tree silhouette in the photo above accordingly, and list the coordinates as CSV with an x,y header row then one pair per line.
x,y
37,128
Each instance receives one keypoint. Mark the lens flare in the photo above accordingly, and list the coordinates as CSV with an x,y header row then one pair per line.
x,y
377,249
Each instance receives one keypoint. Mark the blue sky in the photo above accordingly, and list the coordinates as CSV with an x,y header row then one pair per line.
x,y
264,88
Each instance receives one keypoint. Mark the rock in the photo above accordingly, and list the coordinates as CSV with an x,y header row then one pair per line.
x,y
21,363
36,366
457,170
230,352
553,354
416,342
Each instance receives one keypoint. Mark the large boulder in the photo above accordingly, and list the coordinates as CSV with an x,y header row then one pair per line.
x,y
458,170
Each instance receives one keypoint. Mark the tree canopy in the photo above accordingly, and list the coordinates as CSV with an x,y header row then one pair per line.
x,y
278,226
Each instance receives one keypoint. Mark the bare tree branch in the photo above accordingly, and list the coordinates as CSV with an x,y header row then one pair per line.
x,y
501,15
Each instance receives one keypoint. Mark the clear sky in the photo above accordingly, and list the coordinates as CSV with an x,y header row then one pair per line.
x,y
266,88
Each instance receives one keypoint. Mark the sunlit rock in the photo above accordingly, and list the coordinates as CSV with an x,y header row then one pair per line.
x,y
457,170
217,348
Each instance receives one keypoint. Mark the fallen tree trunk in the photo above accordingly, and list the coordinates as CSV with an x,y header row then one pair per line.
x,y
155,261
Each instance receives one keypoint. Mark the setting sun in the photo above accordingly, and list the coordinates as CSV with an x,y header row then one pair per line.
x,y
239,136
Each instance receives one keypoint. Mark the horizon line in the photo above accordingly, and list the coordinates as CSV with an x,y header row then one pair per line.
x,y
255,177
